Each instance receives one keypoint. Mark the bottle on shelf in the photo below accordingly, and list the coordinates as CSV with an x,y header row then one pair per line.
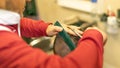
x,y
112,24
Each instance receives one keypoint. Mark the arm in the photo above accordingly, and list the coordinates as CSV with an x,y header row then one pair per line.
x,y
33,28
89,51
16,53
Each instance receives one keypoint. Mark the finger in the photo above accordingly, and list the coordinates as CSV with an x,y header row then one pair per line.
x,y
74,27
54,33
79,31
57,29
75,31
71,32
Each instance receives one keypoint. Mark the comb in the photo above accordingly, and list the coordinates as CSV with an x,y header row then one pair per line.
x,y
65,37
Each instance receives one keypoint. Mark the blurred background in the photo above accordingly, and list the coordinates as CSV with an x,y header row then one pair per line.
x,y
106,14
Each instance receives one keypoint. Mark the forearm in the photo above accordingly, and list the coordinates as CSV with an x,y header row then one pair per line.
x,y
32,28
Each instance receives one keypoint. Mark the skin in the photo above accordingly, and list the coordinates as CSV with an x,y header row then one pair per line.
x,y
103,34
19,6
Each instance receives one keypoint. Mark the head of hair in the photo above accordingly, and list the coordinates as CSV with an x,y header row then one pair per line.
x,y
13,5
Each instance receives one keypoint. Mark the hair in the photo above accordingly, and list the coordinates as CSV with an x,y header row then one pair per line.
x,y
2,4
12,5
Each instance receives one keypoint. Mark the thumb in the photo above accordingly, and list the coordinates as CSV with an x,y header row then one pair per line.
x,y
57,29
53,30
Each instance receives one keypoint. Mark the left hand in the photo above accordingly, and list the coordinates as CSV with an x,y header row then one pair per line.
x,y
69,29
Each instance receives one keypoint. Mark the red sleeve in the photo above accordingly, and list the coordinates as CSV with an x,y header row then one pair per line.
x,y
15,53
89,51
33,28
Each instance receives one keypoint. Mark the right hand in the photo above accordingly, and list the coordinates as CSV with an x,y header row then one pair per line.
x,y
53,30
103,34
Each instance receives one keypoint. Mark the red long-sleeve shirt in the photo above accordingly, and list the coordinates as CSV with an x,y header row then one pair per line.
x,y
16,53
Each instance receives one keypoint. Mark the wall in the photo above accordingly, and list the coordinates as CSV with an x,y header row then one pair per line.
x,y
113,3
49,11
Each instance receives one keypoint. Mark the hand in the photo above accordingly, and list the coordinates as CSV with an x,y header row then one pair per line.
x,y
72,29
53,30
103,34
